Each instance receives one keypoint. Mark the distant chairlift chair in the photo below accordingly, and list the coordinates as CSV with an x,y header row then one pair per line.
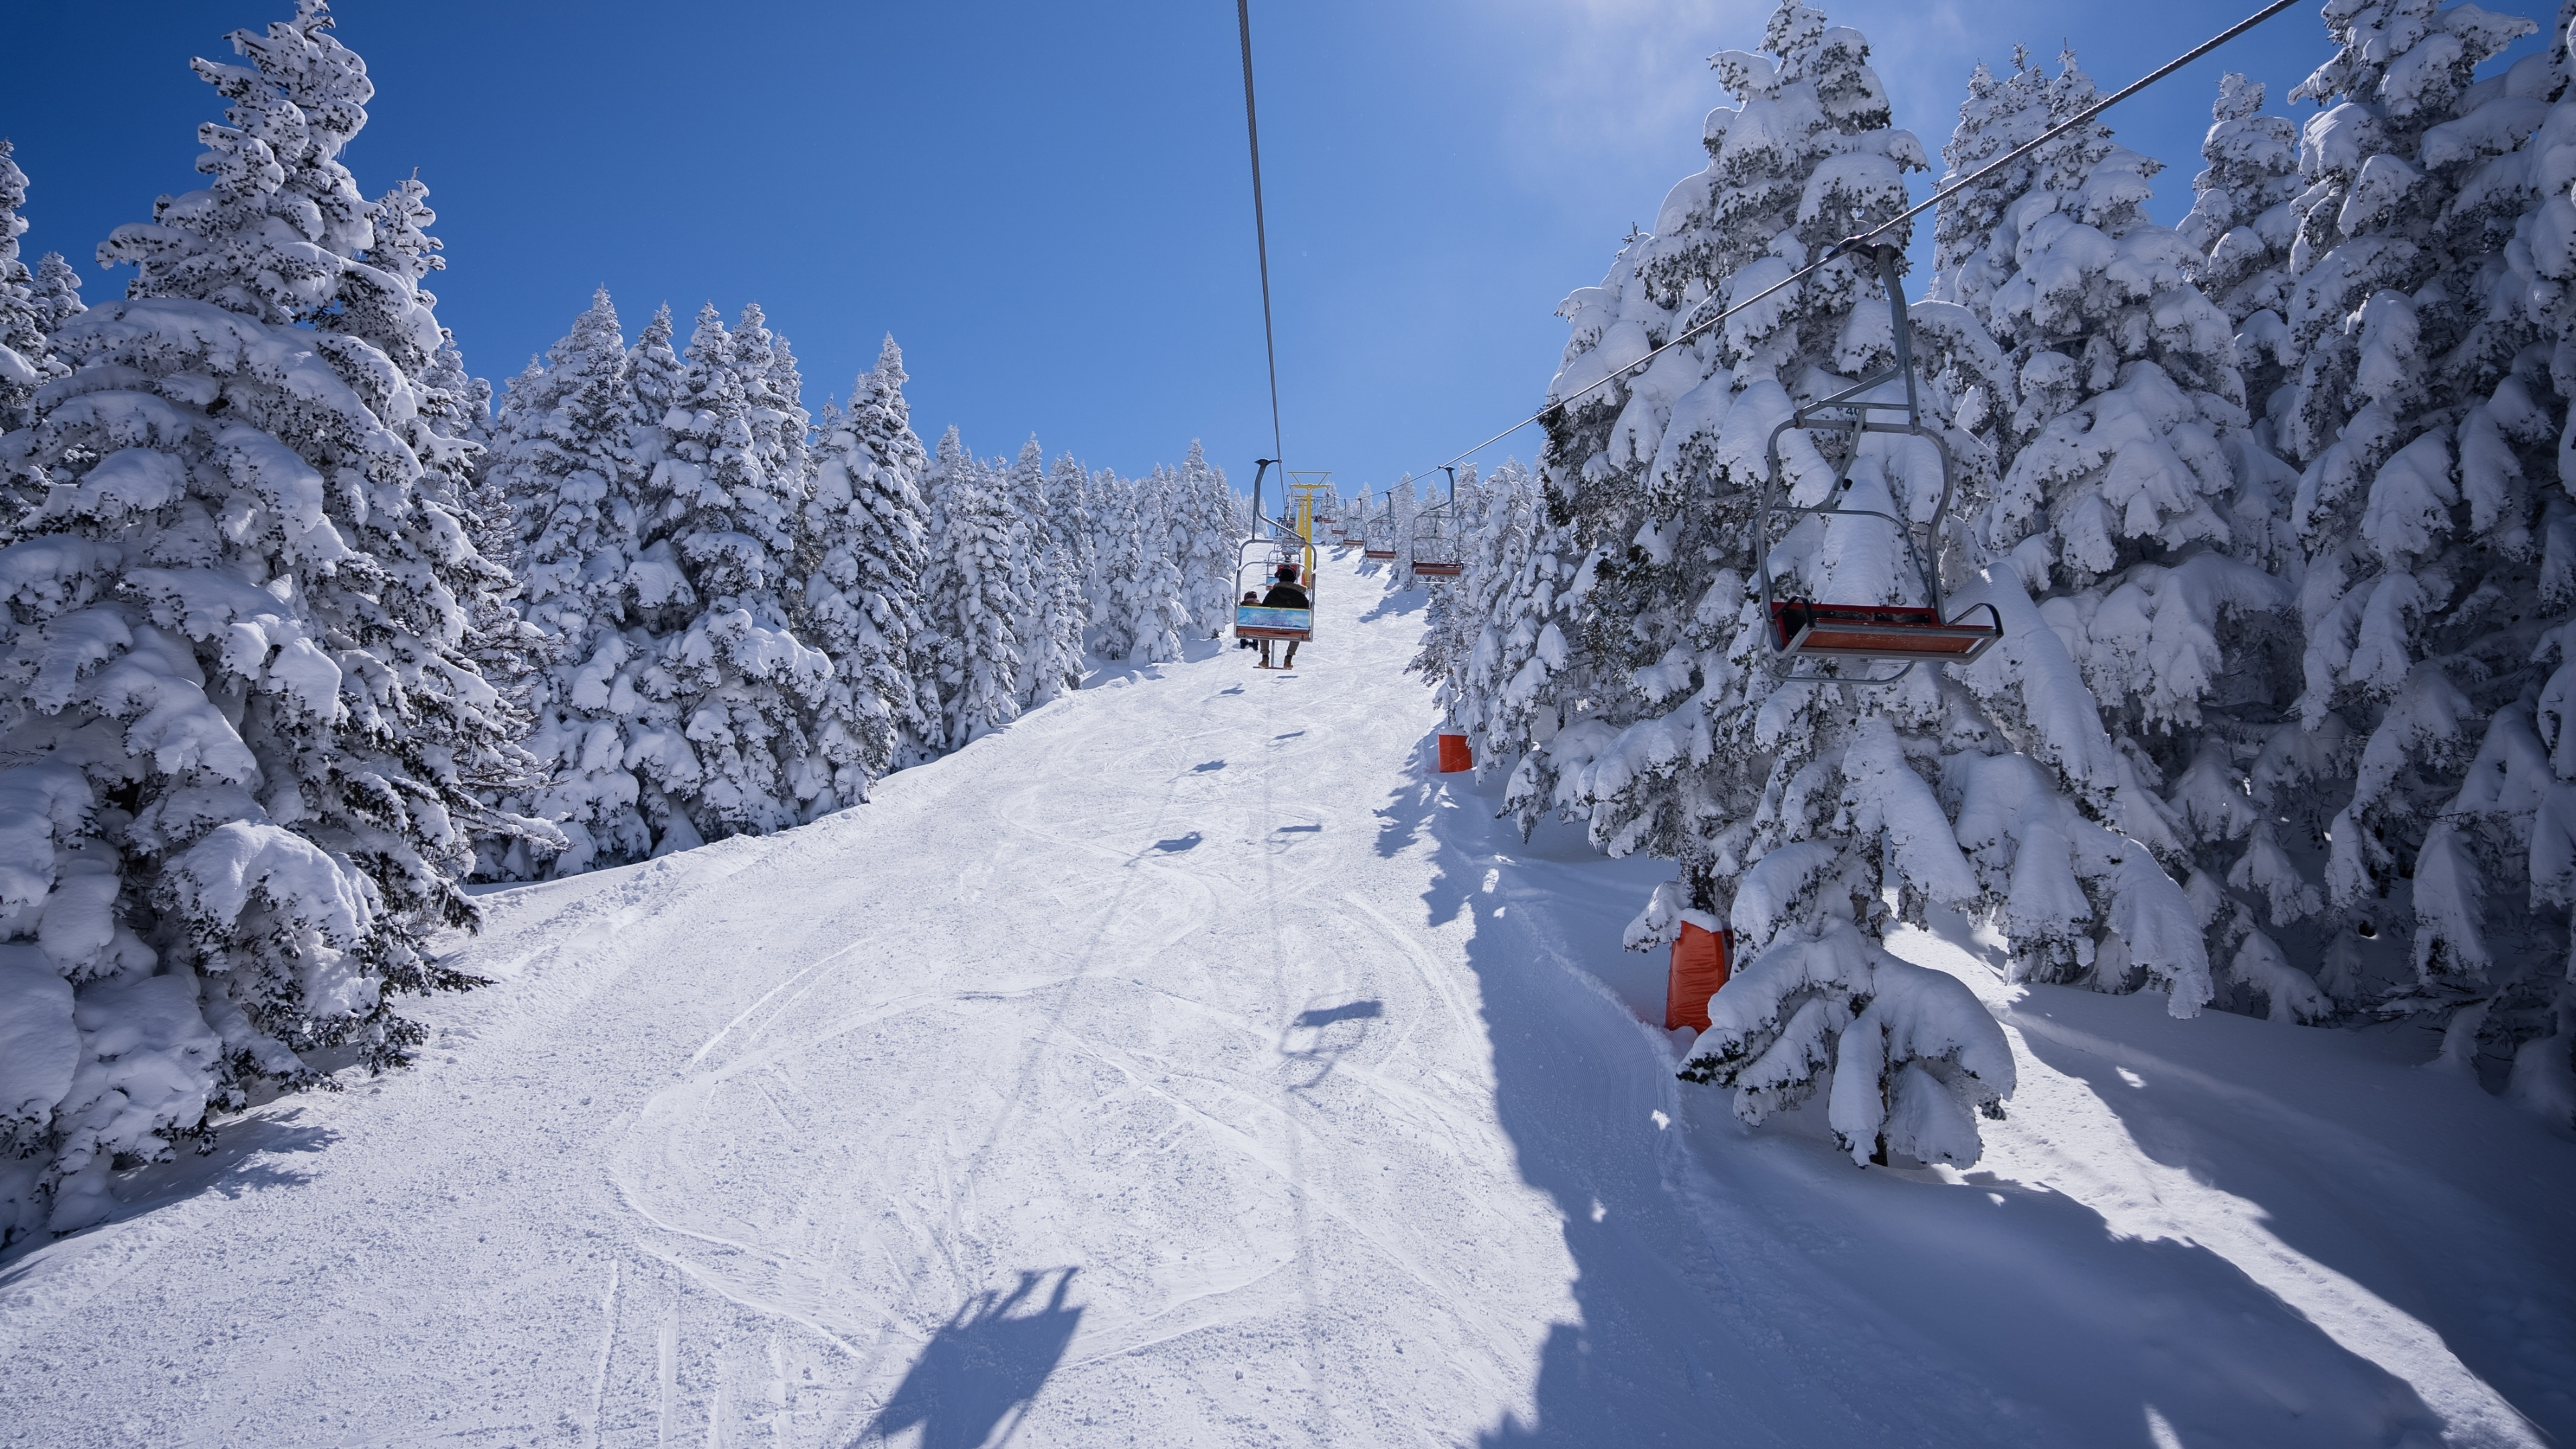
x,y
1901,634
1377,537
1435,542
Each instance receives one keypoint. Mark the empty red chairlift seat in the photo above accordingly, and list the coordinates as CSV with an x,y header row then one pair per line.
x,y
1878,631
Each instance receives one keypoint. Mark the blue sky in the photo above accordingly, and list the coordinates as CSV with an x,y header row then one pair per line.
x,y
1047,204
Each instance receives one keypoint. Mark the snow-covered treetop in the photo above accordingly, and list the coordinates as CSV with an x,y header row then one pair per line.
x,y
881,418
2241,220
1998,115
1809,158
57,290
277,176
2407,61
2081,178
23,315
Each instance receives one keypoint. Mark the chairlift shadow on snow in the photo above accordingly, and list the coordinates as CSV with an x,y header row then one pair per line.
x,y
253,1153
983,1367
1327,1046
1396,605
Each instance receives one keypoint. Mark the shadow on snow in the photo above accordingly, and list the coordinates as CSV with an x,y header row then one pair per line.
x,y
252,1153
984,1366
1755,1288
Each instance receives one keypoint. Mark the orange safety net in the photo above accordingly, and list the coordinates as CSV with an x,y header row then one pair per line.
x,y
1699,968
1456,754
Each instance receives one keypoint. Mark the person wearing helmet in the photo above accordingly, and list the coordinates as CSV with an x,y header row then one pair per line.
x,y
1284,594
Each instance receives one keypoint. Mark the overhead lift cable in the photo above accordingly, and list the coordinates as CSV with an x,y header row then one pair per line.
x,y
1255,621
1261,243
1862,241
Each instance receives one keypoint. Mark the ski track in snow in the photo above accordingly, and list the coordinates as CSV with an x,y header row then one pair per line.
x,y
1186,1064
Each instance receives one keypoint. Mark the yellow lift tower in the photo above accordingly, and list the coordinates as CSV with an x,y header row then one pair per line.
x,y
1304,489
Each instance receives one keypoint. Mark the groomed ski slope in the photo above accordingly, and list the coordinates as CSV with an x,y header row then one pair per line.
x,y
1188,1065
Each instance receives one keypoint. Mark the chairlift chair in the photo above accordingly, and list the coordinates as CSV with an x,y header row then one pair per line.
x,y
1874,634
1255,621
1378,538
1435,542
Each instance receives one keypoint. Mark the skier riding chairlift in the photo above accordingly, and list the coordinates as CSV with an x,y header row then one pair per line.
x,y
1284,594
1258,622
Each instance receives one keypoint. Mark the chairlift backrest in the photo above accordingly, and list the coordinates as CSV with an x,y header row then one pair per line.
x,y
1872,633
1435,551
1377,539
1259,621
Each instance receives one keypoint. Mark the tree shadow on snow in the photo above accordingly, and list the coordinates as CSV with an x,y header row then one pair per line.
x,y
985,1365
1754,1287
255,1153
2484,1270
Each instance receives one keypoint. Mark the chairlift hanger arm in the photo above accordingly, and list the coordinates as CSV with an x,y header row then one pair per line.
x,y
1876,634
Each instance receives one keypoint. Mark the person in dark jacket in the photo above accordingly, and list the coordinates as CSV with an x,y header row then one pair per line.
x,y
1284,594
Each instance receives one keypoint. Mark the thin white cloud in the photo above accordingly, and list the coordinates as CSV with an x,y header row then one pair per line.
x,y
1609,85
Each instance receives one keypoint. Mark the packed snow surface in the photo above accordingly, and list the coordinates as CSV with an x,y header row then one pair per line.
x,y
1188,1064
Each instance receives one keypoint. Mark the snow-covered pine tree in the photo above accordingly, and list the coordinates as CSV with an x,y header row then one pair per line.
x,y
1402,506
1156,499
773,390
1798,815
1153,601
27,358
1051,642
853,729
712,583
1069,503
653,385
2129,531
57,291
1517,561
567,466
383,302
1117,552
1137,613
976,598
2242,223
1207,544
2422,419
866,532
950,468
237,702
880,418
2506,799
1450,623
